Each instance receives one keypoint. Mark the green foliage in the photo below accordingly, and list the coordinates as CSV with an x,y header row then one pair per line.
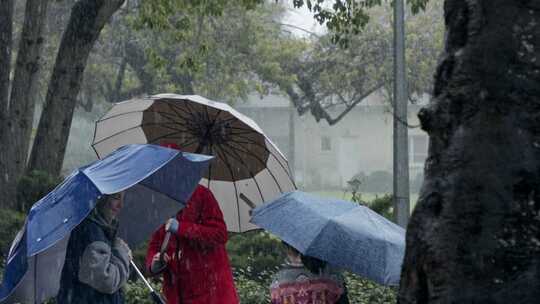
x,y
32,187
418,5
139,254
346,18
136,292
362,291
214,49
255,255
383,206
10,223
252,291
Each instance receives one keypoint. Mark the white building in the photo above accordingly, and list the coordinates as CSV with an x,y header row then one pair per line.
x,y
326,157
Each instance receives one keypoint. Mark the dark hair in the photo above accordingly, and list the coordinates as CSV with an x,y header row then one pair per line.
x,y
314,265
100,203
288,246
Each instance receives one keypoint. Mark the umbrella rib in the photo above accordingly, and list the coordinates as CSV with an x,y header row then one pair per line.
x,y
238,158
120,114
182,145
251,141
115,134
232,119
209,174
262,162
240,161
190,110
133,128
165,125
217,116
177,131
186,143
235,191
178,110
164,114
207,114
244,130
214,130
172,117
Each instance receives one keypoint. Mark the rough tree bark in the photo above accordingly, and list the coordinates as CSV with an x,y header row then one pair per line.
x,y
6,42
474,236
88,17
6,32
17,128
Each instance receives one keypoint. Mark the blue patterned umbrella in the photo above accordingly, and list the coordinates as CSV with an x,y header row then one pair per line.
x,y
342,233
36,259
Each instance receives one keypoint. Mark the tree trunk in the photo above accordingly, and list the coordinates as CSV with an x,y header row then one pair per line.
x,y
136,59
88,17
474,236
18,126
6,32
117,90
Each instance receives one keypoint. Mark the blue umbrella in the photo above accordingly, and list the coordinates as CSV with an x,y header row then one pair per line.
x,y
36,258
342,233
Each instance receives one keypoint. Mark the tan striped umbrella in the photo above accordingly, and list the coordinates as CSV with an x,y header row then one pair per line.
x,y
248,168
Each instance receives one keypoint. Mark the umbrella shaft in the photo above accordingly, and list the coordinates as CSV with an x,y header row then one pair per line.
x,y
155,296
139,273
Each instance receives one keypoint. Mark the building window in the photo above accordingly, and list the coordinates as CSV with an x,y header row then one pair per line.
x,y
418,146
326,143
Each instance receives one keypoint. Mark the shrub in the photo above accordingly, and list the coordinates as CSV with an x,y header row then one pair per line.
x,y
32,187
10,223
362,291
256,254
382,205
136,292
252,291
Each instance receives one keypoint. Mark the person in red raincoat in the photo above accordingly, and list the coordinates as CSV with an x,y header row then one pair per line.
x,y
195,267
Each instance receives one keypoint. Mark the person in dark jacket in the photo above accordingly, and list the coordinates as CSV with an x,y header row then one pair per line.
x,y
97,262
304,279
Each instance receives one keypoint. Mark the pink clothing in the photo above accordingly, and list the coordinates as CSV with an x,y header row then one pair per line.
x,y
310,291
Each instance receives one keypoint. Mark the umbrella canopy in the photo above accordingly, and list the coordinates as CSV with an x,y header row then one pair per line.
x,y
248,168
342,233
35,261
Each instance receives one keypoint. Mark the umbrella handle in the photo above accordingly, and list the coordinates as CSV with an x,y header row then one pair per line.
x,y
154,294
248,202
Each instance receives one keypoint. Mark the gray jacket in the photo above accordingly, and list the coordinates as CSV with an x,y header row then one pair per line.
x,y
97,264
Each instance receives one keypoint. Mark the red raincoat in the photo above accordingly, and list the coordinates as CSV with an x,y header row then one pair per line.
x,y
202,274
